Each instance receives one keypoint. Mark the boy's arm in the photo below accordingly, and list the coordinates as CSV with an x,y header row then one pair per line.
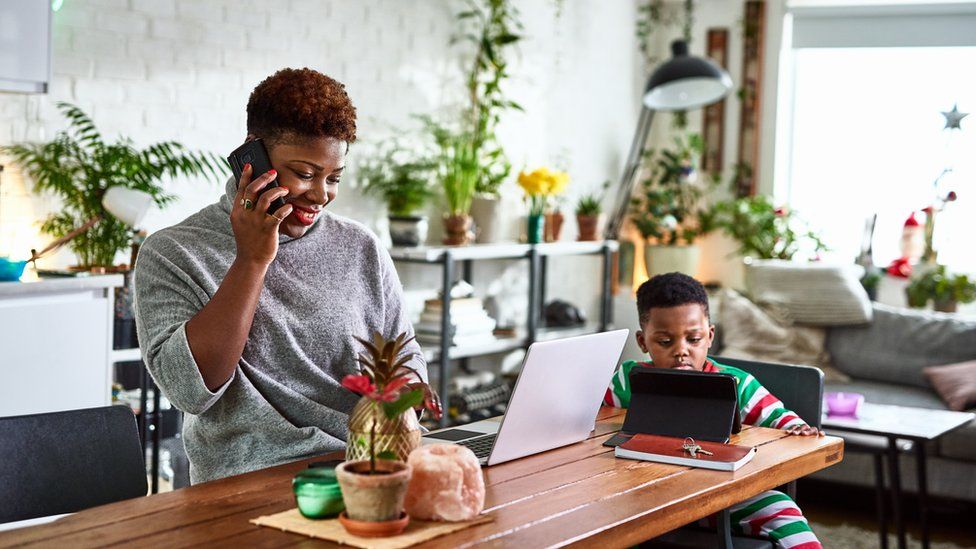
x,y
618,393
762,409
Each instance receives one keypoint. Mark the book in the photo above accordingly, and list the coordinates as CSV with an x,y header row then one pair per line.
x,y
480,326
727,457
456,303
457,317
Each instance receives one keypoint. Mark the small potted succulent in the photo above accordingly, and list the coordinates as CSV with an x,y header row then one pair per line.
x,y
588,210
402,174
383,430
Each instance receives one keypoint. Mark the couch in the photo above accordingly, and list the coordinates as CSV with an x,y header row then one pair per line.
x,y
884,360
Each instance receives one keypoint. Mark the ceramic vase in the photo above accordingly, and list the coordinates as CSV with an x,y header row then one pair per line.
x,y
408,230
669,259
534,228
400,435
486,213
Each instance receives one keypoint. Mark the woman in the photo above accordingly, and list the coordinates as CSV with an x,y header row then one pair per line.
x,y
246,319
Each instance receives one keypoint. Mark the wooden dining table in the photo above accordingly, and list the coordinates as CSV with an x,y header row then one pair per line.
x,y
574,495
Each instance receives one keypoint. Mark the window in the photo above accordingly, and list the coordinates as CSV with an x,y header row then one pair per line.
x,y
864,130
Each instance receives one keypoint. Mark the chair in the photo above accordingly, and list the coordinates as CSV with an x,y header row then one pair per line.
x,y
64,462
799,388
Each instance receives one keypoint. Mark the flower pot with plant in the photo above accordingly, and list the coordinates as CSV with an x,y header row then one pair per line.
x,y
934,283
383,430
402,175
79,167
458,170
540,185
763,230
588,210
667,208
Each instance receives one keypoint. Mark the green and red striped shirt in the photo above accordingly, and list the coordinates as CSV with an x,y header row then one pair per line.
x,y
757,406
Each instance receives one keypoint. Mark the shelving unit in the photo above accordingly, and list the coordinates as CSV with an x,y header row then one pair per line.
x,y
453,259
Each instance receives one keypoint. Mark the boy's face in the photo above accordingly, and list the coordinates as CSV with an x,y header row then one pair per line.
x,y
677,337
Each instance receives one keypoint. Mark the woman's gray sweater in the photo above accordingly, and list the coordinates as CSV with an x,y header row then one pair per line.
x,y
284,401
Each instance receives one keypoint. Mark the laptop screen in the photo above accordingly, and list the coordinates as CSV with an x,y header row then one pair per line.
x,y
682,403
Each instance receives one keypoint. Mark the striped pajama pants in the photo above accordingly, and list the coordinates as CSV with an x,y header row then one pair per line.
x,y
772,515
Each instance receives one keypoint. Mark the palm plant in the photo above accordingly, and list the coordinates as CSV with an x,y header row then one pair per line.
x,y
79,167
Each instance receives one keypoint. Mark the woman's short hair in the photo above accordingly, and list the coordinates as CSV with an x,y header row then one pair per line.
x,y
300,104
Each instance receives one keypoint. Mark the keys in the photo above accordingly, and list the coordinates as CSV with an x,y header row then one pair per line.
x,y
694,448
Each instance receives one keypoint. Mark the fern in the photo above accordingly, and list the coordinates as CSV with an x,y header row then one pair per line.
x,y
78,166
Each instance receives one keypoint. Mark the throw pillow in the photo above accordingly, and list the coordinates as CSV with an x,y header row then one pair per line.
x,y
752,333
955,383
814,293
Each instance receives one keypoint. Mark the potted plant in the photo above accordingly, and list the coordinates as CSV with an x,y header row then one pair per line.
x,y
761,229
945,291
493,28
666,210
78,166
588,210
540,185
383,430
402,175
458,171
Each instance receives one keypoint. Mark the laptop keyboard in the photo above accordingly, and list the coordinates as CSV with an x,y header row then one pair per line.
x,y
481,446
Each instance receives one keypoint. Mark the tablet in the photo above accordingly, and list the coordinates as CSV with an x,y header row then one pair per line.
x,y
680,403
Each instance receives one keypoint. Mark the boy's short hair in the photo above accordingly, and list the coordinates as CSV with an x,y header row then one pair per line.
x,y
669,290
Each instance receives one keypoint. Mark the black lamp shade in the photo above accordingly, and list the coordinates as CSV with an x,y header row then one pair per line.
x,y
686,82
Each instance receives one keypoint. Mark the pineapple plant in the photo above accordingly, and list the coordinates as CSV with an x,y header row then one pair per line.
x,y
383,424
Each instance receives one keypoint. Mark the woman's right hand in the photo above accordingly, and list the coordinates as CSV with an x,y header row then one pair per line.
x,y
256,231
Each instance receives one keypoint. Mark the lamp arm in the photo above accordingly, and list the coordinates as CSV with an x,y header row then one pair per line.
x,y
629,177
35,255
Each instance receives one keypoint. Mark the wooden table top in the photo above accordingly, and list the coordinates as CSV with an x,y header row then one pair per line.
x,y
572,495
899,421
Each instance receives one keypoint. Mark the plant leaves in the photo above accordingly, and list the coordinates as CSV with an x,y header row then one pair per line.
x,y
406,401
387,454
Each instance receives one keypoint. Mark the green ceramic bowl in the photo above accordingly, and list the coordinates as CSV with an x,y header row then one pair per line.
x,y
317,493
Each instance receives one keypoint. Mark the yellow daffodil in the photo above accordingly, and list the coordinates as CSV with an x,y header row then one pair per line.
x,y
540,184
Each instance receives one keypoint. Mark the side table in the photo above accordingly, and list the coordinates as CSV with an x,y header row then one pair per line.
x,y
917,425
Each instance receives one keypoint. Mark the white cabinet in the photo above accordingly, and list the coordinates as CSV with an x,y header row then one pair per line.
x,y
56,344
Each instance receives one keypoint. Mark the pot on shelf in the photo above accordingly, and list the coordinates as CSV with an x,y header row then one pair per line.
x,y
457,230
408,230
669,259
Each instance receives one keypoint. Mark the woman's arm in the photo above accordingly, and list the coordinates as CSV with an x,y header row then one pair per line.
x,y
217,333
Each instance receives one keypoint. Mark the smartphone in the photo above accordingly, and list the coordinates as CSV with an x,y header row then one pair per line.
x,y
254,153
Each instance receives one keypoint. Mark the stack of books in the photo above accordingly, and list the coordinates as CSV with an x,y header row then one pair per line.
x,y
470,324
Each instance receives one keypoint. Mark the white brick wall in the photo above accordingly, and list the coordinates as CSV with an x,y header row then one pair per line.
x,y
183,69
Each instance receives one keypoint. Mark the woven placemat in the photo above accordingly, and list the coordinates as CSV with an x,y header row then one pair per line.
x,y
418,531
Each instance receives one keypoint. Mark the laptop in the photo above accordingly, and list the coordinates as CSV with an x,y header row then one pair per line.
x,y
554,403
680,403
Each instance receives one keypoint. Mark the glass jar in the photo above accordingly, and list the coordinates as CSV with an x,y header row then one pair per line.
x,y
317,493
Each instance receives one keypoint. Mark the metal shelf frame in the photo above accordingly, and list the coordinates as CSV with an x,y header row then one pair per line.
x,y
451,259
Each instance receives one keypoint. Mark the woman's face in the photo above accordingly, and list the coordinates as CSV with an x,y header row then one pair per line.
x,y
310,169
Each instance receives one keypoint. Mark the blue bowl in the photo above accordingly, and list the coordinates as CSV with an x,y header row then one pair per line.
x,y
11,270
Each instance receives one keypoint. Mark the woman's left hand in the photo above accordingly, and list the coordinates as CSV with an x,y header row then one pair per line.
x,y
805,431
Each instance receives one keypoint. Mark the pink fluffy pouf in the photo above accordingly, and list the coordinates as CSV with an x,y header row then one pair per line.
x,y
446,484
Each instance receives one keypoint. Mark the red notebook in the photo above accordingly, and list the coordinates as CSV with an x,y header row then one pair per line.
x,y
727,457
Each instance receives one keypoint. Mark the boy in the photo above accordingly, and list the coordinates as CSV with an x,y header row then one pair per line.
x,y
675,331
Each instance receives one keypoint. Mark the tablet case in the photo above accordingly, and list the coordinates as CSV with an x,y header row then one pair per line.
x,y
680,403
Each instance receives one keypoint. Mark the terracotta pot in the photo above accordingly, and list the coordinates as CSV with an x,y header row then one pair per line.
x,y
589,226
368,529
377,497
945,306
400,435
554,226
457,229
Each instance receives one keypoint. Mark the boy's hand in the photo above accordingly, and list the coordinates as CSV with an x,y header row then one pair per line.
x,y
805,431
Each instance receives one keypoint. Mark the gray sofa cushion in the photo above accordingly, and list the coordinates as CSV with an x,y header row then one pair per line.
x,y
899,343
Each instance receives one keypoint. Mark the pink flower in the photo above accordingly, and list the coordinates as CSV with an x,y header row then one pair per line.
x,y
781,211
951,197
359,384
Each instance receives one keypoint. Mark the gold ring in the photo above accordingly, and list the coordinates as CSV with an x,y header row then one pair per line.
x,y
248,204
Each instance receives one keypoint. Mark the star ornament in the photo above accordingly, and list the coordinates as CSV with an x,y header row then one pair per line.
x,y
953,118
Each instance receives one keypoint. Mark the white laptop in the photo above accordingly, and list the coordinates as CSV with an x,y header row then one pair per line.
x,y
554,403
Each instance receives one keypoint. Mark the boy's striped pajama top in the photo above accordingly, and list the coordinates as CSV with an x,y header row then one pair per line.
x,y
772,514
